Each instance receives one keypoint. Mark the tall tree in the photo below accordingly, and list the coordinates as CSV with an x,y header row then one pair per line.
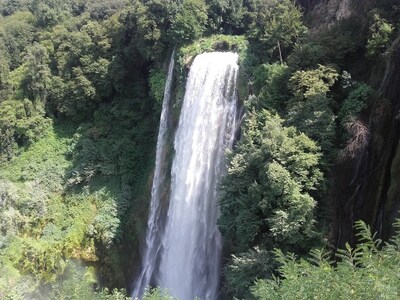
x,y
190,21
310,108
266,199
38,72
276,27
49,12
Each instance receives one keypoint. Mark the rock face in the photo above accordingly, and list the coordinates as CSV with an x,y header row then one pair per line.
x,y
327,12
343,9
368,187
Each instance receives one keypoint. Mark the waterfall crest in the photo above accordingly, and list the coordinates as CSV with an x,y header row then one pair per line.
x,y
188,258
153,234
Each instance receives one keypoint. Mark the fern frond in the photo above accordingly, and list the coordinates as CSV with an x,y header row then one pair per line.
x,y
319,257
364,233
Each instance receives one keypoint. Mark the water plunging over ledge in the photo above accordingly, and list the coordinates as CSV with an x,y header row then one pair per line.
x,y
187,261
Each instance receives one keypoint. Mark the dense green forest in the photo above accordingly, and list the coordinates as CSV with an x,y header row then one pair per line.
x,y
81,88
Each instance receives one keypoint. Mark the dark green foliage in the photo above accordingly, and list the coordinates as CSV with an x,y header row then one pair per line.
x,y
355,103
81,85
310,108
380,36
245,268
37,78
4,76
266,191
148,27
342,43
16,33
103,9
20,125
79,63
276,27
226,16
316,119
148,34
49,12
9,7
190,21
157,81
265,198
270,84
306,56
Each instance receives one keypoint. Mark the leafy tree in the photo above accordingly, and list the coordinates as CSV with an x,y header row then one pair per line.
x,y
380,36
80,61
356,102
276,26
16,34
310,110
146,29
38,75
226,16
163,12
67,48
265,197
316,119
49,12
306,56
103,9
4,76
190,21
266,191
20,125
142,31
9,7
270,86
244,268
310,83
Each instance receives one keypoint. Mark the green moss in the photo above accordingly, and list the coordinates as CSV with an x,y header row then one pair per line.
x,y
157,84
219,42
186,54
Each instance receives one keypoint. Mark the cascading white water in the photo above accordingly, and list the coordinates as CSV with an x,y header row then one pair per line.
x,y
186,260
190,259
153,234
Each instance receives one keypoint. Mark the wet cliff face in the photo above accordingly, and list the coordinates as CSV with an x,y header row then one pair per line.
x,y
368,187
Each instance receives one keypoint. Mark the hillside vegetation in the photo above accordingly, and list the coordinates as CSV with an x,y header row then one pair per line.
x,y
81,88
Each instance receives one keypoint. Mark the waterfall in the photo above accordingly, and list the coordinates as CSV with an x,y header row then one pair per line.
x,y
153,234
188,258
